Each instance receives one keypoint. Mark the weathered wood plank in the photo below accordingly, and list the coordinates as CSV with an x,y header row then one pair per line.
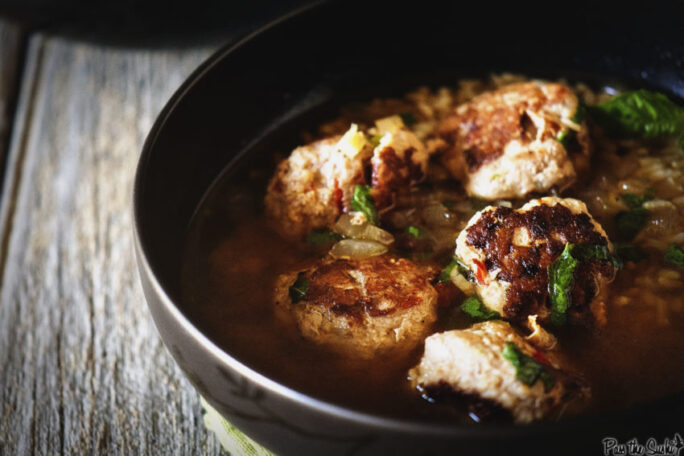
x,y
82,367
11,40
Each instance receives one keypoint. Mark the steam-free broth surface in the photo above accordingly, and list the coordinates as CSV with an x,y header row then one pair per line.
x,y
234,257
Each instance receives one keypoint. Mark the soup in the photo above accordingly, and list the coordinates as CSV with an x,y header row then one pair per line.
x,y
627,353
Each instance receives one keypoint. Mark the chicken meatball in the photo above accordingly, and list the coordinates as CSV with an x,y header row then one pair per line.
x,y
399,161
508,253
522,138
492,363
359,307
315,184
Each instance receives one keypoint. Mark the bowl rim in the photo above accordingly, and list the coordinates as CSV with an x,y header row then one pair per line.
x,y
402,425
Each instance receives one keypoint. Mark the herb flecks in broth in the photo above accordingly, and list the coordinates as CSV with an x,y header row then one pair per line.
x,y
632,185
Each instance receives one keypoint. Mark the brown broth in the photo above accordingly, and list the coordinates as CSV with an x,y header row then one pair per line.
x,y
230,289
233,259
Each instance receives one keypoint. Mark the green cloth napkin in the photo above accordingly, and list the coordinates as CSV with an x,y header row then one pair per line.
x,y
232,440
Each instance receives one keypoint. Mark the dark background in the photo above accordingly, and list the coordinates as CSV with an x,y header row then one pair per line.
x,y
150,22
145,22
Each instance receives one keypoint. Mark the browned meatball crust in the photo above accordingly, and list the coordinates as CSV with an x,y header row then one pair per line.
x,y
509,252
361,307
471,363
505,143
315,184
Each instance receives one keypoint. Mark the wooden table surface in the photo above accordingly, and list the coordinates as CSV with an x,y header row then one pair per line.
x,y
82,368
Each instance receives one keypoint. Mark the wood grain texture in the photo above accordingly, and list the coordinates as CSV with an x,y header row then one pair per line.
x,y
83,369
11,40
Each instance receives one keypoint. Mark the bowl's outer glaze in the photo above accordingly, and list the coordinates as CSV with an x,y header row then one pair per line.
x,y
297,70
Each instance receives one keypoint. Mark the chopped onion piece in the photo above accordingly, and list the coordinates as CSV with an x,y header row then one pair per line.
x,y
356,218
351,226
356,249
353,142
389,124
461,282
658,204
438,215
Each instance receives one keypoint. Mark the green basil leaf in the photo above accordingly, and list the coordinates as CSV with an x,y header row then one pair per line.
x,y
561,275
299,289
675,255
415,231
580,113
630,222
445,276
474,308
527,369
566,137
641,114
629,252
547,379
363,201
375,140
595,252
319,237
633,200
561,279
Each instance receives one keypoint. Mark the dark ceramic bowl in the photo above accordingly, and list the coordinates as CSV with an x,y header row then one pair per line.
x,y
304,65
